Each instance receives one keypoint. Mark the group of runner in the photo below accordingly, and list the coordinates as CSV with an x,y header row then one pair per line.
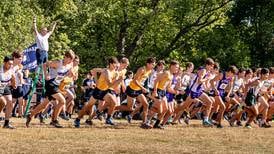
x,y
172,94
161,93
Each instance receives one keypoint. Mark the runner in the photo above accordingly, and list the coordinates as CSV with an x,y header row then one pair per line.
x,y
101,92
224,80
196,92
137,90
17,91
7,79
162,83
63,68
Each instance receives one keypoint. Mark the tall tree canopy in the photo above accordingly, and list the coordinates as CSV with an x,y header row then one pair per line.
x,y
236,32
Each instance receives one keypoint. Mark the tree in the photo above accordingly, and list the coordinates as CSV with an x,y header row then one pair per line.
x,y
254,21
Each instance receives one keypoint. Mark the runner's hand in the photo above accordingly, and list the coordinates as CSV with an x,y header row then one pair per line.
x,y
154,94
227,98
144,90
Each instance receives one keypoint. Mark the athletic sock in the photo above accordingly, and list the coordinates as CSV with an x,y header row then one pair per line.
x,y
157,122
205,118
6,122
109,116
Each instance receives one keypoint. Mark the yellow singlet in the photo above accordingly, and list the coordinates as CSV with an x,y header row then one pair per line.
x,y
164,81
102,81
117,75
143,77
65,82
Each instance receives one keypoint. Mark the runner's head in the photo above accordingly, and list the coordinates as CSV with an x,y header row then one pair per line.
x,y
69,56
8,62
264,73
189,67
17,57
44,31
130,74
174,66
150,63
160,65
231,71
248,73
124,62
257,73
113,63
241,72
209,63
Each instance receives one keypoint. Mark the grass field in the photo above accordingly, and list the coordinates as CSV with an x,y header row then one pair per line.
x,y
126,138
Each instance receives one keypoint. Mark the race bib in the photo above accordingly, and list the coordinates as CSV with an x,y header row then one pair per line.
x,y
236,87
89,83
2,87
173,86
223,86
58,79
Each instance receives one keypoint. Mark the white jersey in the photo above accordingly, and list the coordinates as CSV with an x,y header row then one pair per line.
x,y
18,72
52,73
127,82
152,79
5,77
207,85
237,84
266,84
42,41
185,81
62,71
257,88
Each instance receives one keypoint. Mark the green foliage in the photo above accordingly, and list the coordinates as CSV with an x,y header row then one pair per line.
x,y
236,32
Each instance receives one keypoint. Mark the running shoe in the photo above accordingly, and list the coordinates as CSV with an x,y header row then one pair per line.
x,y
110,122
89,122
77,123
56,124
129,118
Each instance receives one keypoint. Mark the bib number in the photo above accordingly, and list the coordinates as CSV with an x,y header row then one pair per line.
x,y
223,86
2,87
58,79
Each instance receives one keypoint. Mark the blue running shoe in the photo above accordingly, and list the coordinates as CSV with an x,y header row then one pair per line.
x,y
206,123
77,123
129,118
110,122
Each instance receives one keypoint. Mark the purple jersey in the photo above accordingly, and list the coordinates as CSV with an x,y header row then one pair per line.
x,y
196,89
169,95
222,84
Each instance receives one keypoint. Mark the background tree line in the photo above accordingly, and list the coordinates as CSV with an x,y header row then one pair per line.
x,y
238,32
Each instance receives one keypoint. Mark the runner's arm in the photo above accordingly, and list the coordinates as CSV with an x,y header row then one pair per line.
x,y
53,28
137,77
35,27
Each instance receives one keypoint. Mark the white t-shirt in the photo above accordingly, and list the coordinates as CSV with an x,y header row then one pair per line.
x,y
127,82
18,74
186,79
42,41
5,77
266,84
237,84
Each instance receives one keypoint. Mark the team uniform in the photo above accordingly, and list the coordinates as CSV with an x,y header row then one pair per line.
x,y
133,90
5,81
